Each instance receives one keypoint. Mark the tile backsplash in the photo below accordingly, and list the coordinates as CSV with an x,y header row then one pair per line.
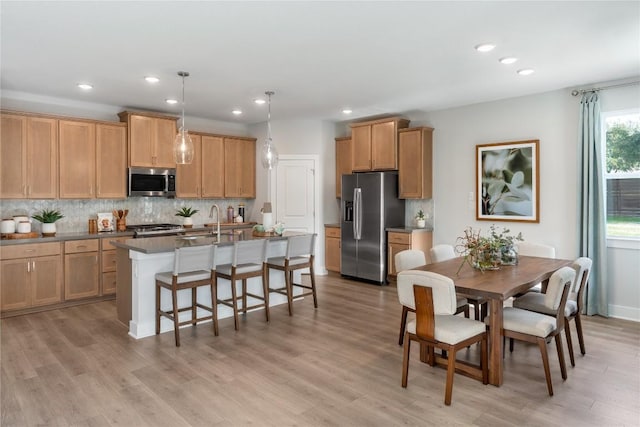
x,y
142,210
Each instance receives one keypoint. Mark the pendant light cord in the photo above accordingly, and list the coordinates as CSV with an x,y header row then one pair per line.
x,y
183,74
269,116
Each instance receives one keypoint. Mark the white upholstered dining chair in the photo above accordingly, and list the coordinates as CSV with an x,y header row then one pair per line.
x,y
535,302
433,297
408,260
538,328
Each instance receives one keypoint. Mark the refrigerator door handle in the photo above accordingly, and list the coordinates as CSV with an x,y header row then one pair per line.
x,y
357,207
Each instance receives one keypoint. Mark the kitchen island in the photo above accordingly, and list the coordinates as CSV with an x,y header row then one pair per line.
x,y
138,261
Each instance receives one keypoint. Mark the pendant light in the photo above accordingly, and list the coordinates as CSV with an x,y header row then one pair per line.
x,y
269,155
183,146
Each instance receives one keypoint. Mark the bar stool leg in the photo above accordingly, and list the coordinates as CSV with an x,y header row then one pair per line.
x,y
158,290
214,302
288,282
265,289
313,285
176,320
234,298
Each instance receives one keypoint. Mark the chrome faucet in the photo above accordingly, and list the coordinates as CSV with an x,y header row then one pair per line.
x,y
217,218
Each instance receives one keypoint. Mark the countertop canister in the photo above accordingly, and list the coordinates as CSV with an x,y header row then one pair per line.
x,y
8,226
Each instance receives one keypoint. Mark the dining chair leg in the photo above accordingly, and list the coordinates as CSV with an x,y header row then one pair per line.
x,y
194,307
244,296
405,360
158,290
484,360
510,345
403,323
214,303
563,365
451,369
483,310
580,336
476,310
466,311
542,343
176,320
567,333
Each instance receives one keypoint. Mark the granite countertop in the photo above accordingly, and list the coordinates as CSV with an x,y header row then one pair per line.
x,y
409,229
81,235
155,245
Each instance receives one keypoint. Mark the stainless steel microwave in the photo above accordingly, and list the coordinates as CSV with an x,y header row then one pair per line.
x,y
152,182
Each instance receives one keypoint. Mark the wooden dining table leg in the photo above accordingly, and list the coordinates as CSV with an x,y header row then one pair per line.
x,y
495,342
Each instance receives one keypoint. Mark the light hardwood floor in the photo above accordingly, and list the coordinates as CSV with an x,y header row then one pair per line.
x,y
339,365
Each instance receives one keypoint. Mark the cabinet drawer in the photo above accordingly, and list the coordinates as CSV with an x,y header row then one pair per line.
x,y
109,283
76,246
332,232
29,250
108,261
106,242
403,238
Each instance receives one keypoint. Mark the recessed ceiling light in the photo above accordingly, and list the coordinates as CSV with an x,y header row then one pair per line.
x,y
85,86
237,112
171,101
151,79
485,47
526,71
259,101
347,111
508,60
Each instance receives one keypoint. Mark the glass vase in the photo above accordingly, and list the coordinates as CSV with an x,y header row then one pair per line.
x,y
509,255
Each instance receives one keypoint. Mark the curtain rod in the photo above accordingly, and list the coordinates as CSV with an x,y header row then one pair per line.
x,y
595,89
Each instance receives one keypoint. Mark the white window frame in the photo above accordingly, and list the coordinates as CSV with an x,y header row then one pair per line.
x,y
614,241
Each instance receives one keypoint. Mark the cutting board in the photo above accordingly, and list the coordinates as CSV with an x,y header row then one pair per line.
x,y
32,235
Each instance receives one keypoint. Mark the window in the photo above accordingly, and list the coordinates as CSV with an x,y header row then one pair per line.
x,y
622,173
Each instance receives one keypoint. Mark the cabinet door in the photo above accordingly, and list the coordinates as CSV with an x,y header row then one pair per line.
x,y
165,134
213,167
77,160
111,162
410,165
15,290
109,283
141,146
393,249
384,146
343,162
13,157
188,176
332,254
361,148
42,158
240,168
46,280
81,278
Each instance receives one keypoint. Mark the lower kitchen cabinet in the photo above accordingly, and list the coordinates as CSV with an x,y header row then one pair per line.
x,y
81,269
332,248
108,264
398,241
30,275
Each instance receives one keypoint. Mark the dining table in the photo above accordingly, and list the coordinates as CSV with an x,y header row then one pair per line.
x,y
497,286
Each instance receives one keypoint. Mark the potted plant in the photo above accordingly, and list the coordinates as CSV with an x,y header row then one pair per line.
x,y
48,219
186,213
420,219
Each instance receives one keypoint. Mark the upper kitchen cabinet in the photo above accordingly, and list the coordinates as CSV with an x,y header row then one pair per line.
x,y
415,163
111,161
239,167
204,178
375,144
343,161
28,157
150,139
77,159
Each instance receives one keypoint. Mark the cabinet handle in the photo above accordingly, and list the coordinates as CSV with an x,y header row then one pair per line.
x,y
81,246
28,190
24,189
96,259
33,266
28,266
29,250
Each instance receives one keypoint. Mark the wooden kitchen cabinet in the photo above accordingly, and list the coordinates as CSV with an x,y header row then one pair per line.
x,y
415,147
108,264
398,241
343,161
111,161
204,178
374,144
240,167
332,248
81,269
30,275
77,159
28,157
151,139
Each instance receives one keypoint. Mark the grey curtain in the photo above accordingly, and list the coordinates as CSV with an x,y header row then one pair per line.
x,y
592,231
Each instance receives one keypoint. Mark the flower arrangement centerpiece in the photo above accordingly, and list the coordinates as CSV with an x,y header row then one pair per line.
x,y
490,252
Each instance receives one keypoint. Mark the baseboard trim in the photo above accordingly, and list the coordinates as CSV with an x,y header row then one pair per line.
x,y
623,312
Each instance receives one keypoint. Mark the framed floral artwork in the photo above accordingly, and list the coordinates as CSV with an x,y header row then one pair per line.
x,y
508,181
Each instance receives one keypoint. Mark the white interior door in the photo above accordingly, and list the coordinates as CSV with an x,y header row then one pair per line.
x,y
296,193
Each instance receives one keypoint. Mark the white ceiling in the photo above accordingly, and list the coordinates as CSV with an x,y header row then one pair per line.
x,y
319,57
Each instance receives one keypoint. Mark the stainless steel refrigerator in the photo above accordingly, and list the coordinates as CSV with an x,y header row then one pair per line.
x,y
369,205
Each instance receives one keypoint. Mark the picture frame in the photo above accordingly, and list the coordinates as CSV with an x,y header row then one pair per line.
x,y
105,221
508,181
